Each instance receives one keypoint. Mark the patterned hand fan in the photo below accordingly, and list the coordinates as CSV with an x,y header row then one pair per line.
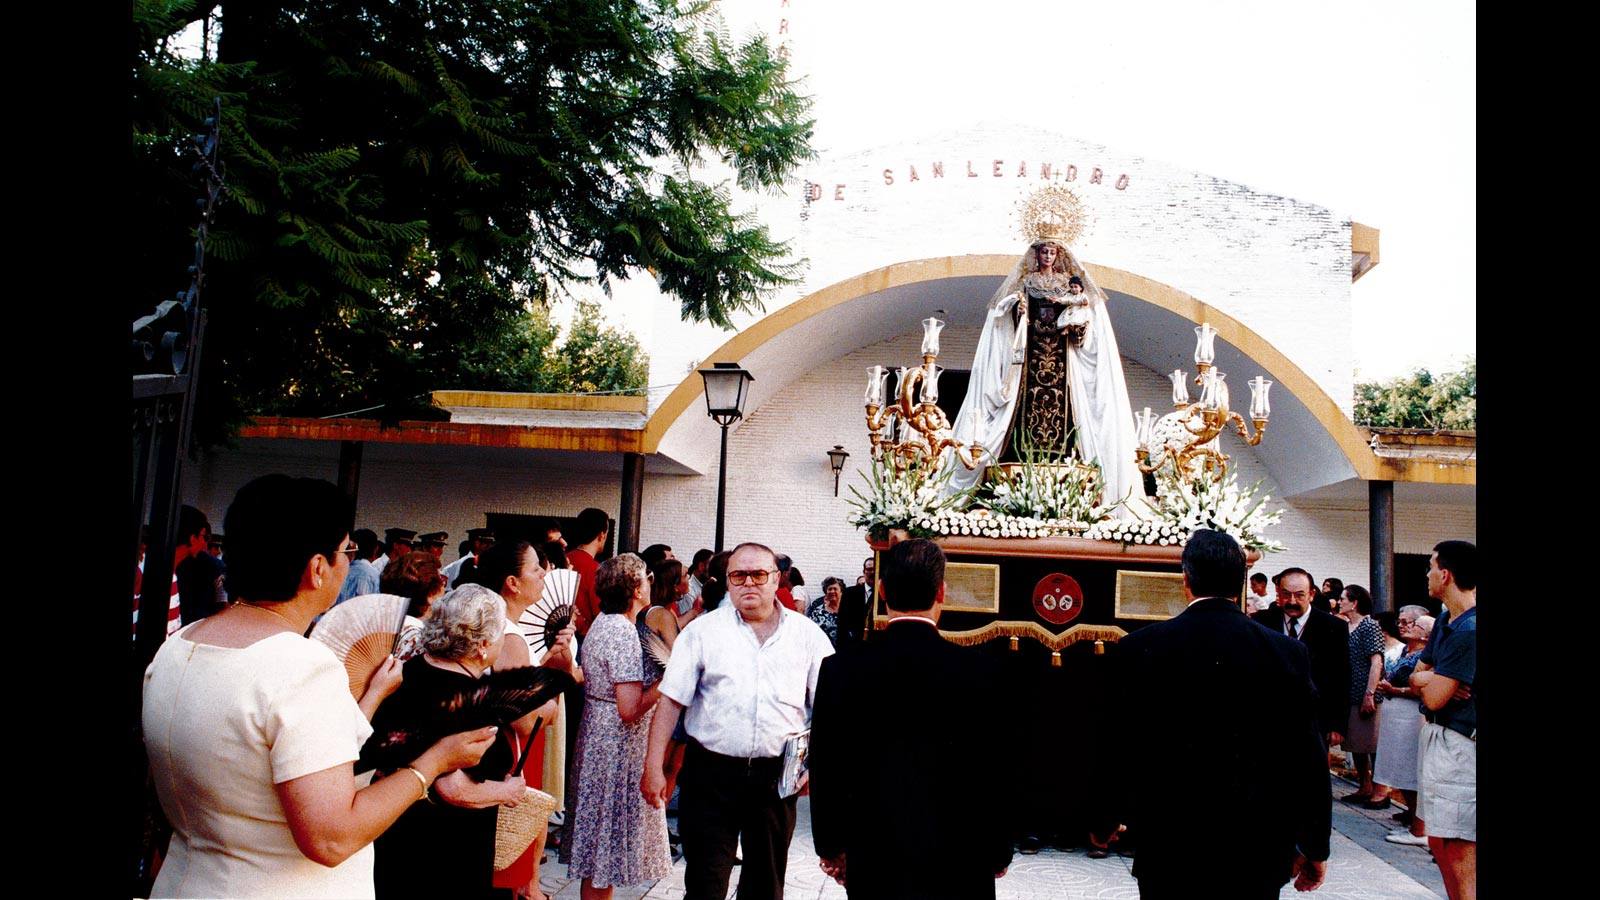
x,y
543,620
361,632
499,698
656,648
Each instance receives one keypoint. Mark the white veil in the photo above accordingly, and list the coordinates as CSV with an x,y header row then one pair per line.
x,y
1097,393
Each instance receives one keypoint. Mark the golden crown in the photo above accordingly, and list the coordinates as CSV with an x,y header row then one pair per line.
x,y
1053,213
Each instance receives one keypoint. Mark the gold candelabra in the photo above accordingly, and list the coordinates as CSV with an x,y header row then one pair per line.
x,y
1188,436
926,433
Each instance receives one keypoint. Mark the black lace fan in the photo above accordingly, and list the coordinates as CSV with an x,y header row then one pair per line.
x,y
545,619
498,699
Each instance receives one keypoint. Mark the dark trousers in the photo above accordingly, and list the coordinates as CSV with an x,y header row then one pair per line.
x,y
723,800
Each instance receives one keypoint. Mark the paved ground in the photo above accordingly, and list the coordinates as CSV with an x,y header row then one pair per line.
x,y
1363,866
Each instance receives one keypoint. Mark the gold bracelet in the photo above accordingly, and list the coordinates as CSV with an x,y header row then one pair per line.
x,y
422,778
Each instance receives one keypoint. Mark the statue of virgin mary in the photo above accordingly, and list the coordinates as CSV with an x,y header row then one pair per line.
x,y
1048,368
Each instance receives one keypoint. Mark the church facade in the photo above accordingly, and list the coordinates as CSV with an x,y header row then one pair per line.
x,y
892,235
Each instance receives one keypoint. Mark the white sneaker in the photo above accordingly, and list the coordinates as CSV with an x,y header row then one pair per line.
x,y
1402,836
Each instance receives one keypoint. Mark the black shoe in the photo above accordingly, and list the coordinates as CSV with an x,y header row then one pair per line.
x,y
1376,804
1064,842
1029,844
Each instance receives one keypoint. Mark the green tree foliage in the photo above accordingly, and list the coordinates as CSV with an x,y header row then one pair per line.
x,y
409,181
593,358
1418,400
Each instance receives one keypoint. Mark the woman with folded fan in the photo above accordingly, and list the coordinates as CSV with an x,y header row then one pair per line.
x,y
251,729
453,835
616,837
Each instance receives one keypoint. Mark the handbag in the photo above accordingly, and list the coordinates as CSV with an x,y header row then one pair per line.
x,y
517,827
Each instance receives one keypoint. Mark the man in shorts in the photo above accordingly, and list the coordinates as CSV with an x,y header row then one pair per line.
x,y
1446,679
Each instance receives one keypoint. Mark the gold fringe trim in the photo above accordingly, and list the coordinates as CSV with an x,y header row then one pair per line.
x,y
1034,631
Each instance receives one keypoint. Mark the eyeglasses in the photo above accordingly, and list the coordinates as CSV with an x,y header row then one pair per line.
x,y
1297,595
753,576
350,551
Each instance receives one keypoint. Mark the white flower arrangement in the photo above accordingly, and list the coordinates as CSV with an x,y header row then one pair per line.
x,y
1041,501
1219,504
901,495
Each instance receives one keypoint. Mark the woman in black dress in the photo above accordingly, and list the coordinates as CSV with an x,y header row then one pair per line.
x,y
444,847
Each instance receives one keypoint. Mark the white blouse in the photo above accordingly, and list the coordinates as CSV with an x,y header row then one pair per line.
x,y
222,726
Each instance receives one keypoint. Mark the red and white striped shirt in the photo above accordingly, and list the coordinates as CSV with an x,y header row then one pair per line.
x,y
174,614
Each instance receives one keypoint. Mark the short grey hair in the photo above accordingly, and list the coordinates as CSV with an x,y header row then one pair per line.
x,y
463,619
1416,611
1426,624
616,581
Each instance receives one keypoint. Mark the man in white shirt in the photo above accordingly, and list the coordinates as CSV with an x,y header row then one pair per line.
x,y
747,672
1259,598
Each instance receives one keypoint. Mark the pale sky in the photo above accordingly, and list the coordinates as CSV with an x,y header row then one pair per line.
x,y
1366,107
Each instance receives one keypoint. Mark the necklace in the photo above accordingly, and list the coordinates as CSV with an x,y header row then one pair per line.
x,y
273,612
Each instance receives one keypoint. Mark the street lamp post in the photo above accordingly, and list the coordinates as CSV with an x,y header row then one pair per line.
x,y
725,385
836,458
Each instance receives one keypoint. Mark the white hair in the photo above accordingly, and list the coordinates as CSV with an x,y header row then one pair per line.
x,y
463,620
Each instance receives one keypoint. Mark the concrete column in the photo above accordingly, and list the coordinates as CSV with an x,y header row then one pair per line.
x,y
632,506
1380,543
350,467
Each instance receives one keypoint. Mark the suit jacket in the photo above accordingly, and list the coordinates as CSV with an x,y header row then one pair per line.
x,y
1327,638
1214,753
895,757
855,615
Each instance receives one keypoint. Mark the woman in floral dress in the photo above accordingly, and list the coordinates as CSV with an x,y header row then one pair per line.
x,y
616,837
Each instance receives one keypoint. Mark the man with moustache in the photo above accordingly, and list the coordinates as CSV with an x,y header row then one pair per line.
x,y
1327,639
747,673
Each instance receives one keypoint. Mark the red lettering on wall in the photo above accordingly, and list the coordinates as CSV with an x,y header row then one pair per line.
x,y
1022,170
997,167
1044,170
783,50
1094,177
888,176
783,26
938,170
813,192
970,173
1072,172
838,192
1122,182
914,176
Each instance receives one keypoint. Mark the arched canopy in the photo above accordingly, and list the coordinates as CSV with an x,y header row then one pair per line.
x,y
1310,442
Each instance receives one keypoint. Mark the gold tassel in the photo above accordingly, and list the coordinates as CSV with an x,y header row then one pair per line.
x,y
1055,658
1099,648
1013,643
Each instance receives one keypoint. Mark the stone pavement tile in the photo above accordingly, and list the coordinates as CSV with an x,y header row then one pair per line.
x,y
1056,873
1356,874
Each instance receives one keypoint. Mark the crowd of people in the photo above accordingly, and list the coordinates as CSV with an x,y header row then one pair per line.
x,y
691,687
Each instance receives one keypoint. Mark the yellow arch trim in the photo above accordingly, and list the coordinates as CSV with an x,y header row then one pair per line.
x,y
1349,438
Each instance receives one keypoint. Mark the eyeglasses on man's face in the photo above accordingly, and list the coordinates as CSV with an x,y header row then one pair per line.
x,y
751,576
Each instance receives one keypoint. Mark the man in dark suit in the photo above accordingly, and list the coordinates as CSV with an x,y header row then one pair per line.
x,y
1227,788
892,731
856,609
1326,638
